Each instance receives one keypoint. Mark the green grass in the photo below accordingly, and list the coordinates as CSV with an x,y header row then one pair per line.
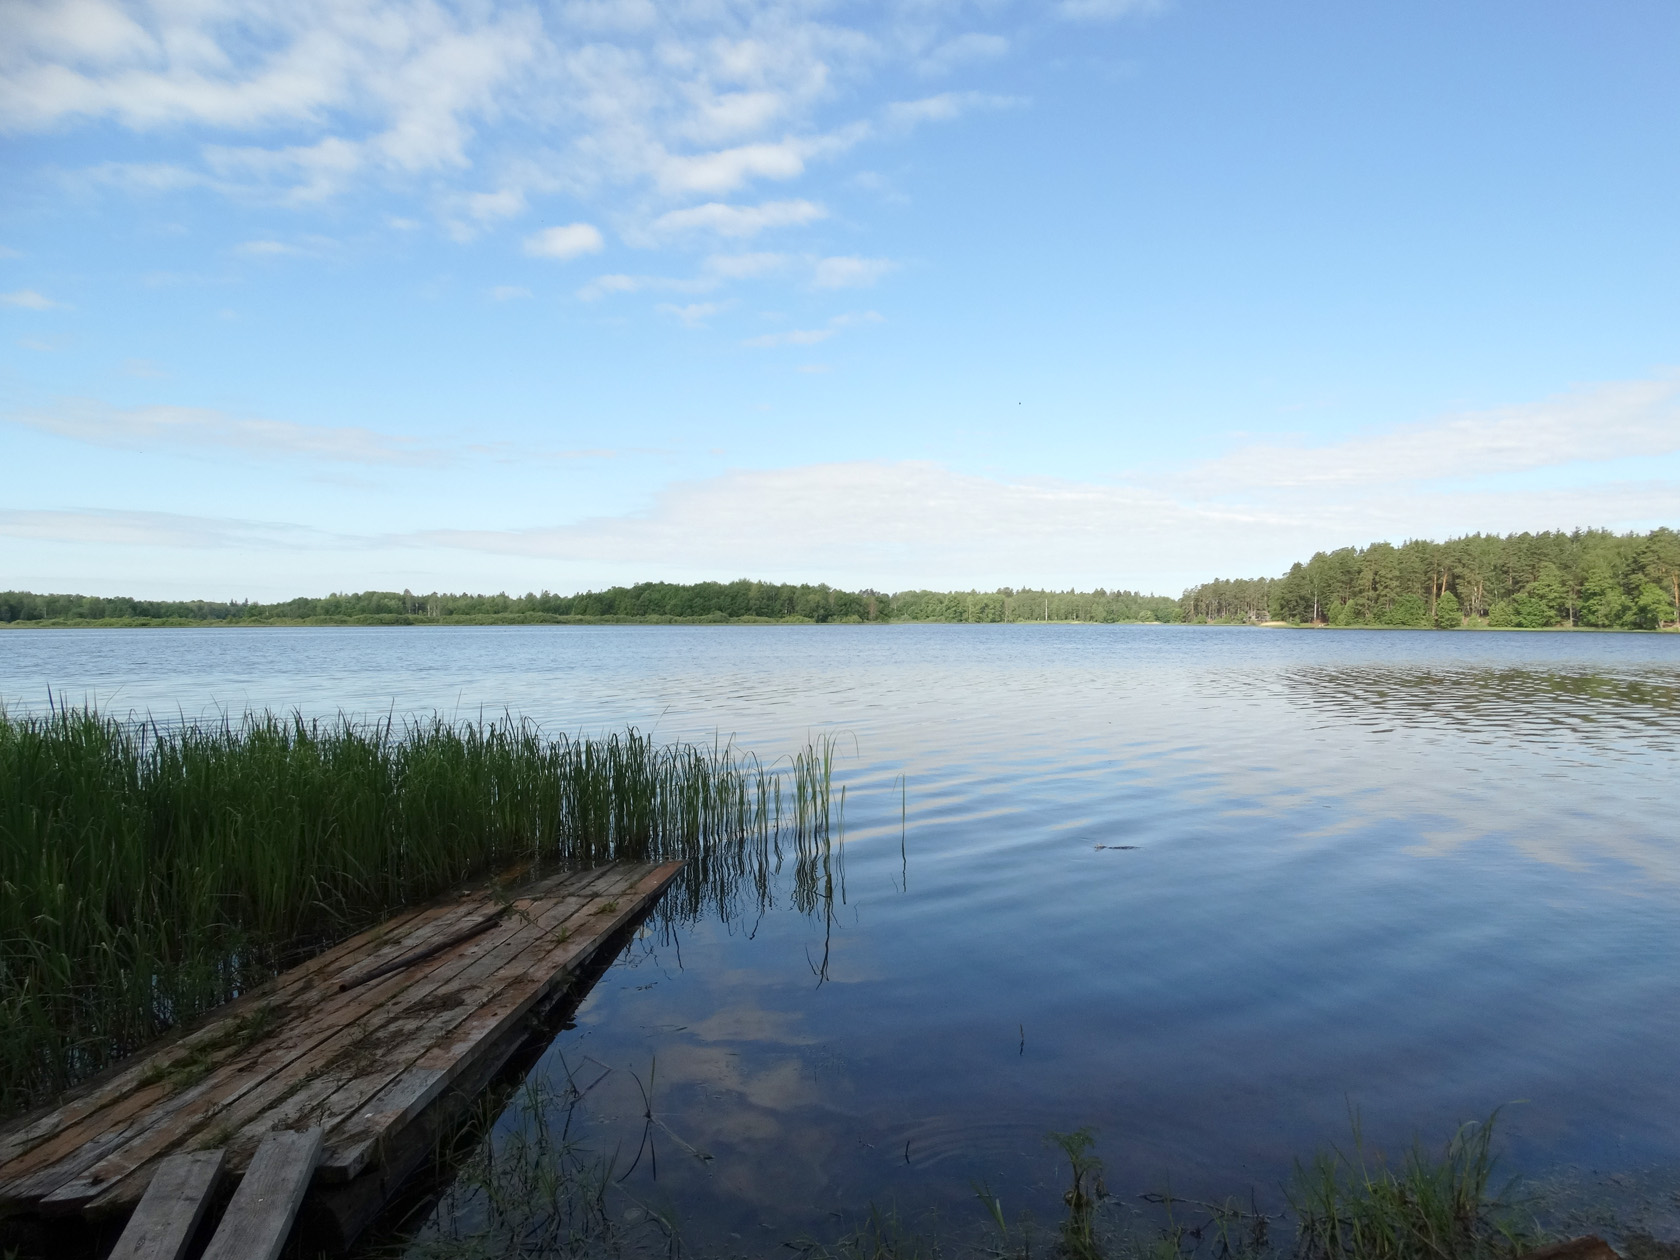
x,y
1359,1207
149,873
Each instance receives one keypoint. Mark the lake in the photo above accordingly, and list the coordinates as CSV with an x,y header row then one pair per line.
x,y
1204,890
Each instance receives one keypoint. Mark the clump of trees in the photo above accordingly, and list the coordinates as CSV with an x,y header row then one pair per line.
x,y
646,601
1587,577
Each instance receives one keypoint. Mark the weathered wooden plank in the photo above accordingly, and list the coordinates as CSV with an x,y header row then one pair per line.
x,y
169,1212
259,1216
436,1024
335,1213
273,1065
70,1123
354,1142
403,931
394,1036
328,1101
110,1183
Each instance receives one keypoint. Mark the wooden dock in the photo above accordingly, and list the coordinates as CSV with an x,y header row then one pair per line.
x,y
375,1047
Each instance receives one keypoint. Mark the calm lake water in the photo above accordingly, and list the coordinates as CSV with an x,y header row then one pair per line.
x,y
1201,889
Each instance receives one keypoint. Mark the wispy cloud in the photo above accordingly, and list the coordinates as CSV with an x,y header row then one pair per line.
x,y
790,337
812,336
850,273
738,221
961,50
746,266
902,115
604,286
913,523
165,428
910,523
695,314
572,240
1106,10
632,107
508,293
1603,422
174,531
30,300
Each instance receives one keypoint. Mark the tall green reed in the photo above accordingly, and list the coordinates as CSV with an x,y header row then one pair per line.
x,y
148,872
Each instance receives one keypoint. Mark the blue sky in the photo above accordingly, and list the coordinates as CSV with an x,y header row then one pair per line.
x,y
301,296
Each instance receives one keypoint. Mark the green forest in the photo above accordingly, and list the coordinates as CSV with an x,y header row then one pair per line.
x,y
1585,578
742,601
1590,578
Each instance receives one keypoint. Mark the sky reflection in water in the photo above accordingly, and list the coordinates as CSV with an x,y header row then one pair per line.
x,y
1421,874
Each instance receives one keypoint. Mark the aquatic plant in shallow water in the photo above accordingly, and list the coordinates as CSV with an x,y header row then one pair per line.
x,y
150,872
1358,1207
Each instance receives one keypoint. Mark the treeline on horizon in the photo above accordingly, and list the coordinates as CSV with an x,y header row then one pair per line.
x,y
1587,577
646,601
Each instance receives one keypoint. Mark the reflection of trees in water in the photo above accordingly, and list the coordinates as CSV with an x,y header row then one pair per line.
x,y
1521,704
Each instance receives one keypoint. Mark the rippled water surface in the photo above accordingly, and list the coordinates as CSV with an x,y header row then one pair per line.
x,y
1202,889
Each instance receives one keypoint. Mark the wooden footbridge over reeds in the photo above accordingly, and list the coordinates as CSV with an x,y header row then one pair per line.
x,y
324,1090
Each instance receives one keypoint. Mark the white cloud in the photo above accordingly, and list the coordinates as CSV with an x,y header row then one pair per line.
x,y
903,115
904,524
629,105
738,221
416,75
1603,422
30,300
901,524
726,170
571,241
165,428
972,46
853,318
603,286
265,248
812,336
850,273
1106,10
173,531
467,214
695,314
745,266
306,173
792,337
508,293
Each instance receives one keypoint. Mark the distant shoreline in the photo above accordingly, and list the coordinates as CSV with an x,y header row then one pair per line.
x,y
377,621
510,619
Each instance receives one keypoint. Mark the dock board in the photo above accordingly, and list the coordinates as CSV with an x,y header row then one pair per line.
x,y
361,1043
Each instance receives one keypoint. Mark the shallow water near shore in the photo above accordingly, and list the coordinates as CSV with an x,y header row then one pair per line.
x,y
1203,889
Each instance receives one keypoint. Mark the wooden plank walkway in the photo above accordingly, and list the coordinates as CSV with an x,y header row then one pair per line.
x,y
361,1043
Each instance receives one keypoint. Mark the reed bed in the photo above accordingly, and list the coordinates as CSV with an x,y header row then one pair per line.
x,y
150,872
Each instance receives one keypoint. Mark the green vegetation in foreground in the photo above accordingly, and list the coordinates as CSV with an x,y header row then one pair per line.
x,y
528,1187
655,602
151,873
1588,578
